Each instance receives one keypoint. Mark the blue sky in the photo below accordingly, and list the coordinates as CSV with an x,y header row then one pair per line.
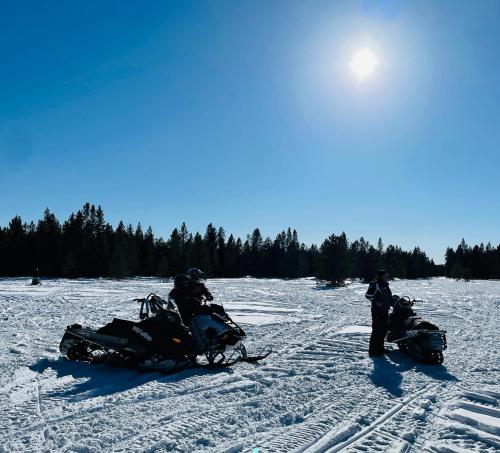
x,y
247,114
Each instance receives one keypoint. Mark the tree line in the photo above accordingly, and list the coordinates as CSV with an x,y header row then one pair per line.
x,y
85,245
477,262
338,260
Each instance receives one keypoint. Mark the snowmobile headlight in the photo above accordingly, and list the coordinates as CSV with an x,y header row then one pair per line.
x,y
176,340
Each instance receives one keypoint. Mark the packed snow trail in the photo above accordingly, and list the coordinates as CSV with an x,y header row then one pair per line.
x,y
319,392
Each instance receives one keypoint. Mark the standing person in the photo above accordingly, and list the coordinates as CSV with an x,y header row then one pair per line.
x,y
380,296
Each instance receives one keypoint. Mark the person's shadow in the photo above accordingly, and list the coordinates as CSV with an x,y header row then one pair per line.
x,y
387,371
437,372
386,374
327,287
101,380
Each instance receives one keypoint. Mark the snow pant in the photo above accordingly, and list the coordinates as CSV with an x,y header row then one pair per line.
x,y
380,318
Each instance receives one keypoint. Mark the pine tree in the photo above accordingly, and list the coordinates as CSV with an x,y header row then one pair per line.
x,y
186,243
292,252
265,258
333,264
255,244
16,256
312,260
221,253
231,258
176,253
148,253
198,256
210,240
119,262
278,255
380,246
246,258
132,253
70,266
48,233
163,269
101,257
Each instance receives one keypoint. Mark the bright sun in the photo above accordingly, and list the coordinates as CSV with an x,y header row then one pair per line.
x,y
363,64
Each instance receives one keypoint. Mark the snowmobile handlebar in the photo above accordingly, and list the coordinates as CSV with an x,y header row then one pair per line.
x,y
201,299
408,298
149,296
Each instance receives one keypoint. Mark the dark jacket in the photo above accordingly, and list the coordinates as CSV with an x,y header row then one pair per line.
x,y
188,299
380,296
199,290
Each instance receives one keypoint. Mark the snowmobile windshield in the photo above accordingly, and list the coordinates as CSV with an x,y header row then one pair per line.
x,y
171,305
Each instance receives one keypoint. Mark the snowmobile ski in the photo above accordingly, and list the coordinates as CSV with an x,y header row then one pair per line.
x,y
263,353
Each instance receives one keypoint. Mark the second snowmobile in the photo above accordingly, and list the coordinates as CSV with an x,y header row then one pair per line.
x,y
414,335
161,341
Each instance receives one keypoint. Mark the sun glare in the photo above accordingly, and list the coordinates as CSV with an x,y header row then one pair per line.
x,y
364,63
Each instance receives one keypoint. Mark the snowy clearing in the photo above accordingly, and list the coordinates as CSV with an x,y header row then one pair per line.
x,y
318,393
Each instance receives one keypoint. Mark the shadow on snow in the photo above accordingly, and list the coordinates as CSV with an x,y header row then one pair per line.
x,y
328,287
101,380
388,373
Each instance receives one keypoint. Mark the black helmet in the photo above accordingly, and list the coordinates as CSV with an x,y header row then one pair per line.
x,y
181,281
381,273
194,273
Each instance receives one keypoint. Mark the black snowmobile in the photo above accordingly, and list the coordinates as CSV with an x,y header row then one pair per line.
x,y
161,341
414,335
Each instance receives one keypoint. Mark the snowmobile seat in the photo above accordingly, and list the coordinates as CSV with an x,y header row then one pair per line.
x,y
117,327
159,329
422,324
213,308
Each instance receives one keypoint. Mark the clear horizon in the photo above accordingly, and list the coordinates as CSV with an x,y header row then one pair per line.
x,y
248,115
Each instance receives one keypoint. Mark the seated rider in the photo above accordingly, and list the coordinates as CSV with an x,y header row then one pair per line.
x,y
181,294
199,289
188,293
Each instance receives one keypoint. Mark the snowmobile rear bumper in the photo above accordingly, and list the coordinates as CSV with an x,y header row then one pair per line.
x,y
435,339
426,346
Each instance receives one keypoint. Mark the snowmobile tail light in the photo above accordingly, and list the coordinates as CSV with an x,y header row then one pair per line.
x,y
176,340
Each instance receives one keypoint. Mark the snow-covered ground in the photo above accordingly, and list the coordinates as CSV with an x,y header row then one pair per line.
x,y
319,392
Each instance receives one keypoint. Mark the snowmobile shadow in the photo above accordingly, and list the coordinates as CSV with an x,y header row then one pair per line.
x,y
387,374
102,380
405,363
328,287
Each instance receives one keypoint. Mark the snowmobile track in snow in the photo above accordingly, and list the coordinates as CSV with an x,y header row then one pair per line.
x,y
318,391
